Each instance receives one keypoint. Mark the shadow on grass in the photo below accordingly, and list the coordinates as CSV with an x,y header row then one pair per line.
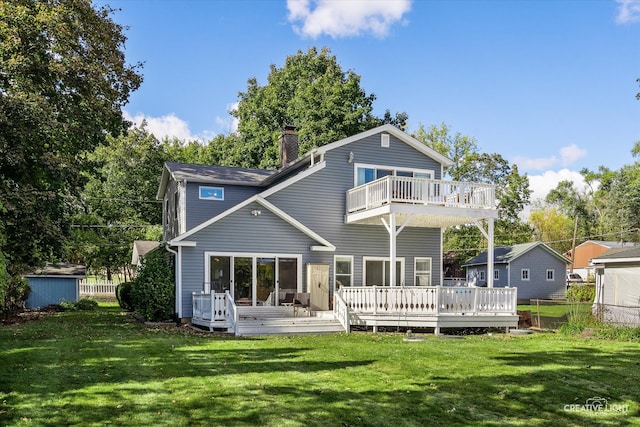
x,y
102,368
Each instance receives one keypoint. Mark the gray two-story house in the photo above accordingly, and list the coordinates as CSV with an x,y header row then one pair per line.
x,y
343,225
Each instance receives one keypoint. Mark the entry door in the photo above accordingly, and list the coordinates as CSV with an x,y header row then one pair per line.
x,y
318,286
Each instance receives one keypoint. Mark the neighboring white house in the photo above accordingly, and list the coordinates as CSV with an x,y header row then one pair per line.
x,y
618,286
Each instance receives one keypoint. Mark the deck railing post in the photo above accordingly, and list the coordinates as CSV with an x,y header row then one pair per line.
x,y
375,299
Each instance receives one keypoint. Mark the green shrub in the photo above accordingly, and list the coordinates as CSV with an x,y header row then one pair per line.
x,y
581,293
86,304
16,292
67,306
153,289
123,294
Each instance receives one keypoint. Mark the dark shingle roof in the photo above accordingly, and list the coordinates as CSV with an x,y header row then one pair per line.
x,y
506,254
217,174
623,252
60,269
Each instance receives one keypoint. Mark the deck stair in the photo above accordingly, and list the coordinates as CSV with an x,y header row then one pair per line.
x,y
282,320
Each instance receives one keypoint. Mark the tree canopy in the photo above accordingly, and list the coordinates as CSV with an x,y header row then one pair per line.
x,y
311,92
63,81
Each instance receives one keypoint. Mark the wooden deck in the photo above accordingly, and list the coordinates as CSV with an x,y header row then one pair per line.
x,y
434,307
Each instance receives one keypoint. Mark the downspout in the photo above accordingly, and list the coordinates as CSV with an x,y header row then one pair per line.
x,y
178,278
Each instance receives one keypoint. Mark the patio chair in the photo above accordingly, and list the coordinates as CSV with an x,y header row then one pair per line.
x,y
287,300
301,300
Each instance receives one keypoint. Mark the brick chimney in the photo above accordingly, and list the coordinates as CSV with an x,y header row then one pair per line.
x,y
288,145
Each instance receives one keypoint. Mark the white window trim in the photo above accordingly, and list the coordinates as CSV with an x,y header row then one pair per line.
x,y
373,258
528,278
416,260
335,269
482,276
254,256
208,187
496,274
395,169
553,275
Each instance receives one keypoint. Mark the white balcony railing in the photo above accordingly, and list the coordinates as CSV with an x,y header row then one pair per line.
x,y
429,300
400,189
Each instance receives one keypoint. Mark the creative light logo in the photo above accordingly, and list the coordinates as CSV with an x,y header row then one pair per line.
x,y
597,405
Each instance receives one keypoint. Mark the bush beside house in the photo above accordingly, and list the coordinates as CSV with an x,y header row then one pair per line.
x,y
151,294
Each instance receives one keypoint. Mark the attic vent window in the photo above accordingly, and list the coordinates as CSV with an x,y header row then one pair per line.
x,y
384,140
211,193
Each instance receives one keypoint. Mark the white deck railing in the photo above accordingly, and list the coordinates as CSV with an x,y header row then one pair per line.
x,y
432,300
400,189
209,306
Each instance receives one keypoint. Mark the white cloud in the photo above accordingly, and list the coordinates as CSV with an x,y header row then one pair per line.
x,y
169,126
571,154
542,163
540,185
312,18
567,156
628,11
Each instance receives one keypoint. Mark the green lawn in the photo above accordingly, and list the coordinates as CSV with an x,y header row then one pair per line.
x,y
102,368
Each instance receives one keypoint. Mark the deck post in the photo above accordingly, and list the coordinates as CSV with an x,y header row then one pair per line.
x,y
490,254
392,249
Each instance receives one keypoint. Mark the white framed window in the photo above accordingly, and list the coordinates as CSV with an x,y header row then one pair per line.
x,y
342,271
481,276
366,172
551,275
211,193
524,274
496,274
422,269
376,271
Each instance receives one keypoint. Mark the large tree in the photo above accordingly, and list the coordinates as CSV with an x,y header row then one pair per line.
x,y
118,202
63,81
512,189
311,92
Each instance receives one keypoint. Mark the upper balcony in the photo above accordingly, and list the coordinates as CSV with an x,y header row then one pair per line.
x,y
429,202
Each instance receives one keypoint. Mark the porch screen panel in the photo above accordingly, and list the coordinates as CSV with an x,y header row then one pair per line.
x,y
266,283
287,277
242,274
220,274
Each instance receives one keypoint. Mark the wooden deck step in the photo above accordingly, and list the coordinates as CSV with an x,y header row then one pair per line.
x,y
289,325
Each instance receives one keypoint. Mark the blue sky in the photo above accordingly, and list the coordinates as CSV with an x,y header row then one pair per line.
x,y
550,85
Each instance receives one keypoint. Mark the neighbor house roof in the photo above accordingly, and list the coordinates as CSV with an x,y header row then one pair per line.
x,y
141,248
506,254
623,254
260,177
59,270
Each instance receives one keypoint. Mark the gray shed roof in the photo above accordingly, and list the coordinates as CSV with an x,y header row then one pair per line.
x,y
60,269
619,253
506,254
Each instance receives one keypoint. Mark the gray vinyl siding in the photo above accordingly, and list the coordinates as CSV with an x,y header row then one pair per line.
x,y
199,211
538,261
242,232
319,202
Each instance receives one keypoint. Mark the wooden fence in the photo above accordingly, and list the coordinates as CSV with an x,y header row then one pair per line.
x,y
98,288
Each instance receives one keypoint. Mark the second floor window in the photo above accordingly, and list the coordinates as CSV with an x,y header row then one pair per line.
x,y
367,173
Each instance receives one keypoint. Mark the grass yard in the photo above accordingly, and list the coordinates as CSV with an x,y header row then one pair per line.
x,y
103,368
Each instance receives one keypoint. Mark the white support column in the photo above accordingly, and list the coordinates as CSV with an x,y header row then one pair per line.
x,y
392,249
490,255
488,234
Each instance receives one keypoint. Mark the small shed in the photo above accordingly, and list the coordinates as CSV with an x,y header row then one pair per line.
x,y
537,270
618,286
54,284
